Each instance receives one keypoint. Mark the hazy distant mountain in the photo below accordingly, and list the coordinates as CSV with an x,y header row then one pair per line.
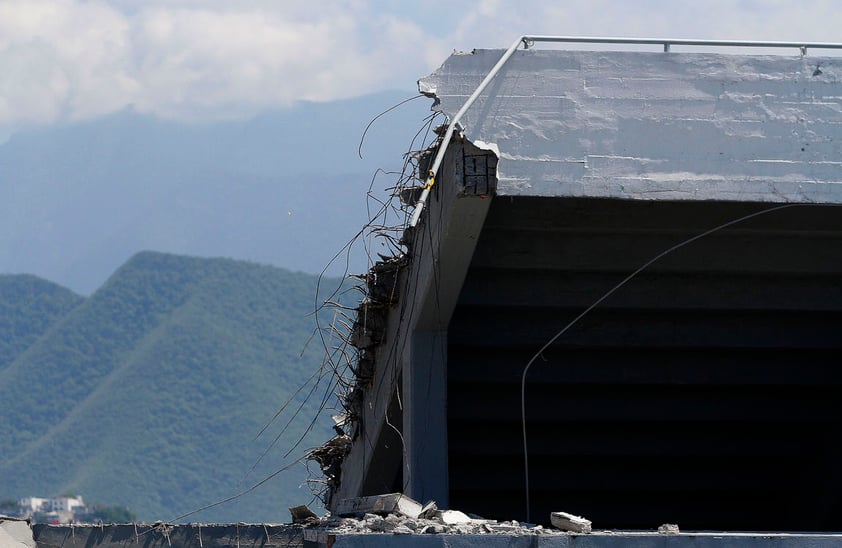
x,y
150,392
285,188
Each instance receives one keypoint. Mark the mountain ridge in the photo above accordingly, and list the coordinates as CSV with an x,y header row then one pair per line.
x,y
285,188
29,306
183,360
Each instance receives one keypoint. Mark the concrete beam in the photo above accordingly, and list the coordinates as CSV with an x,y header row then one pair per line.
x,y
410,364
444,246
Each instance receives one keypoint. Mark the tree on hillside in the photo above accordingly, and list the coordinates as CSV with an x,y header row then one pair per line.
x,y
107,514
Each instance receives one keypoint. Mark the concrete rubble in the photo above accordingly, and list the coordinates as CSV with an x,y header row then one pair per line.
x,y
569,522
302,514
403,525
392,503
398,514
669,529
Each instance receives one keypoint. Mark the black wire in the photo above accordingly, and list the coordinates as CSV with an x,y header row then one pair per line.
x,y
388,110
240,494
596,303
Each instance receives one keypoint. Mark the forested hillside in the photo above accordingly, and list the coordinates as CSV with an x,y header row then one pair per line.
x,y
28,307
150,392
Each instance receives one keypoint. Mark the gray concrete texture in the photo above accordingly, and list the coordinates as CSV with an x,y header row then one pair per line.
x,y
257,535
15,533
597,540
161,535
665,126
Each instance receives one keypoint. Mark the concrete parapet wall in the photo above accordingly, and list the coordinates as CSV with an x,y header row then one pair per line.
x,y
167,536
606,539
260,535
655,126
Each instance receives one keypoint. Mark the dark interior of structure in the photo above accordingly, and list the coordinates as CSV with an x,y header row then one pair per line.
x,y
705,392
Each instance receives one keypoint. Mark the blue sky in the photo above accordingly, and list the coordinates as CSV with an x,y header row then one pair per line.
x,y
201,60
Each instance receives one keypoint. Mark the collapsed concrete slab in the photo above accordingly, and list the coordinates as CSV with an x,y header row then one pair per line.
x,y
708,188
570,522
393,503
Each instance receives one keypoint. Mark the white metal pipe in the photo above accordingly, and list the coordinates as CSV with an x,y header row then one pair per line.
x,y
419,206
681,42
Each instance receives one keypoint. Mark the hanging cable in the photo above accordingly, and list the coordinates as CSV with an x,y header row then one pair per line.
x,y
596,303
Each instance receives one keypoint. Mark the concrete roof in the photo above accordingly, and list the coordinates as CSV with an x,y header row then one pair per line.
x,y
654,126
517,235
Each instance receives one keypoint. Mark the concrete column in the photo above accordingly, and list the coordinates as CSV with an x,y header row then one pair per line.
x,y
425,418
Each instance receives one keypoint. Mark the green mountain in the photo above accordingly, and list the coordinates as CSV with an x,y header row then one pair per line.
x,y
28,307
150,392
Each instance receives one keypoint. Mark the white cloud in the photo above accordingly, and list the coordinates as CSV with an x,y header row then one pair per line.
x,y
194,61
66,60
61,60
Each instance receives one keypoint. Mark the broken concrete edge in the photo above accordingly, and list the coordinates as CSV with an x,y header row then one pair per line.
x,y
302,514
402,505
380,287
362,344
391,503
570,522
382,316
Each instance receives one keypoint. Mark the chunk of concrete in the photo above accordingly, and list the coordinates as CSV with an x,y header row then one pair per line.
x,y
430,510
433,529
569,522
669,529
392,503
383,526
454,517
302,514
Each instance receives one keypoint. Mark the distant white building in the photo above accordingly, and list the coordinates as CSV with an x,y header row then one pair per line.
x,y
31,504
63,506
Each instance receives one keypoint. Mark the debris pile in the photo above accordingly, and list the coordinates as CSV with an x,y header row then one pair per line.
x,y
400,515
330,456
436,525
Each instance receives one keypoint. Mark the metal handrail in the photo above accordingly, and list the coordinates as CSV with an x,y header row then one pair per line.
x,y
527,40
667,42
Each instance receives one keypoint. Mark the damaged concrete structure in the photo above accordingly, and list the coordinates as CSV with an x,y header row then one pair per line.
x,y
705,391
